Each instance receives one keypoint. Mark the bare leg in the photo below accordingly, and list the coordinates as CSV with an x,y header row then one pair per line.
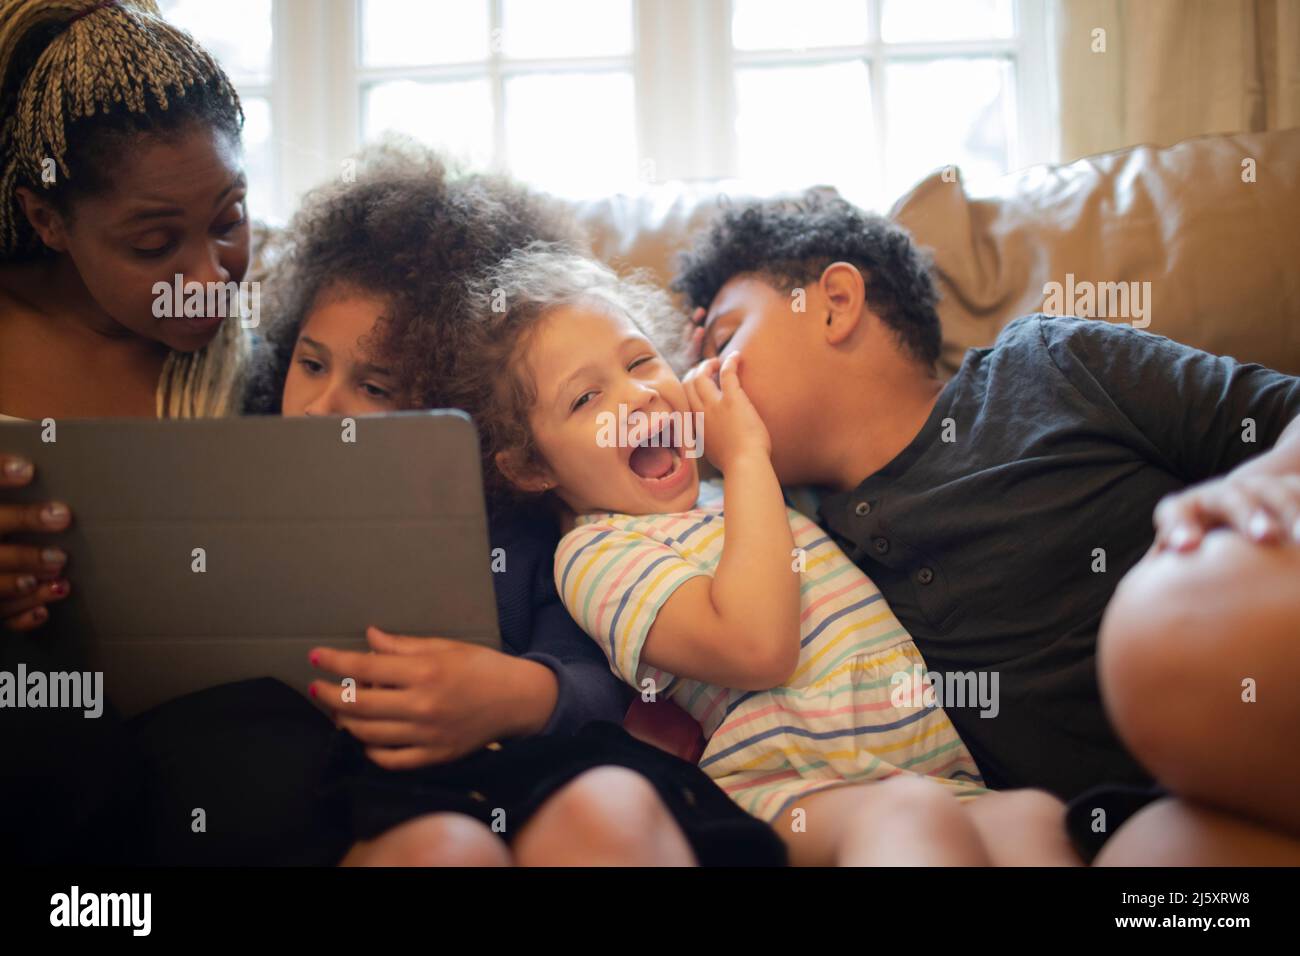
x,y
438,839
1173,832
1023,828
609,816
902,821
1185,641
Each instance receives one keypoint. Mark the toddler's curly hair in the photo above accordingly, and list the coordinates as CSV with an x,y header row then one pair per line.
x,y
506,306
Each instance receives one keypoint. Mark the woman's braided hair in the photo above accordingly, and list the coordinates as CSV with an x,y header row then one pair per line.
x,y
79,79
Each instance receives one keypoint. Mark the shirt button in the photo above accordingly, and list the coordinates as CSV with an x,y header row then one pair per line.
x,y
925,575
881,545
863,509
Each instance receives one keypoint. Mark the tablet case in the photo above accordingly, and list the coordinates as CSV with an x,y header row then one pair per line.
x,y
306,538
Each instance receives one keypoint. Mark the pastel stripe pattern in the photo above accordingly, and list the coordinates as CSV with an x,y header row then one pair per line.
x,y
835,722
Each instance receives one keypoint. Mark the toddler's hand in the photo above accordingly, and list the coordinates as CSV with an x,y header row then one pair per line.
x,y
732,426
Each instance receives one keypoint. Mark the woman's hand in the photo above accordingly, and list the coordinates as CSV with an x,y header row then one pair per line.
x,y
424,700
732,426
30,576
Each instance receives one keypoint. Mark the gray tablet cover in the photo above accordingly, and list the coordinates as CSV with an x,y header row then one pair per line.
x,y
307,539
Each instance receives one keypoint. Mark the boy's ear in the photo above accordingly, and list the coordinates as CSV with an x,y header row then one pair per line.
x,y
524,475
44,219
845,292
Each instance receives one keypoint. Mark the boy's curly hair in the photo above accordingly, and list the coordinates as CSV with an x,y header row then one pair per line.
x,y
506,304
410,231
788,243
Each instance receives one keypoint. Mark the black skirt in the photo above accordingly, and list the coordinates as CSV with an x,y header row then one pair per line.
x,y
512,780
253,774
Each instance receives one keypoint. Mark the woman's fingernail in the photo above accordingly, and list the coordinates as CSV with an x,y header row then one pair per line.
x,y
1261,526
58,588
55,514
1180,537
1295,530
26,583
53,558
312,690
39,614
314,657
18,469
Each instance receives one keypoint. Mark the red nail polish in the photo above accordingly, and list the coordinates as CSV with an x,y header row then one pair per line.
x,y
312,690
59,588
314,657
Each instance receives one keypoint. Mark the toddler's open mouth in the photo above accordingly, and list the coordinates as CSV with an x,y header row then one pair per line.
x,y
658,458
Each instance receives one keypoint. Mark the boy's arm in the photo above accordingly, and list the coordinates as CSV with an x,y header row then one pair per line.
x,y
739,628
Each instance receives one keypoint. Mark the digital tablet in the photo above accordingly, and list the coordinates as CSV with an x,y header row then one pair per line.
x,y
209,551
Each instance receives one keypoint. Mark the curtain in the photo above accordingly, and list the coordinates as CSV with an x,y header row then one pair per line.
x,y
1166,70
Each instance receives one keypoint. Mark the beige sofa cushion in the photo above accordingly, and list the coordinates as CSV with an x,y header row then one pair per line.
x,y
1222,255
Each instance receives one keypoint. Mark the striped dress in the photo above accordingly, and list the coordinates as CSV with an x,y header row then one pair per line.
x,y
842,717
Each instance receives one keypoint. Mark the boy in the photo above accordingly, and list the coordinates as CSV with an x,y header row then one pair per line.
x,y
998,512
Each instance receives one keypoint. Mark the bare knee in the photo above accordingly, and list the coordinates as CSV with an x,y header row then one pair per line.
x,y
1174,832
606,815
1024,828
1184,640
440,839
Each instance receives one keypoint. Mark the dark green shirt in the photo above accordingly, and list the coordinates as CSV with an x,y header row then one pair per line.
x,y
1042,463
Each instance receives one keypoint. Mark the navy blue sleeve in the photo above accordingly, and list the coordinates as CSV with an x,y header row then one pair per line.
x,y
536,626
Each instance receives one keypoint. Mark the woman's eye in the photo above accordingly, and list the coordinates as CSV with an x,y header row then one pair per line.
x,y
152,249
582,400
224,227
311,366
641,361
374,391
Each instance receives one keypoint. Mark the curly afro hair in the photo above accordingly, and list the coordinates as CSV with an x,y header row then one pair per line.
x,y
411,232
788,243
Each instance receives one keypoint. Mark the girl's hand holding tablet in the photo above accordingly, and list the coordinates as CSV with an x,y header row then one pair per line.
x,y
30,576
425,700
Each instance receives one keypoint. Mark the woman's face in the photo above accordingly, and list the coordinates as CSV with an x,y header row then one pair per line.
x,y
333,372
175,207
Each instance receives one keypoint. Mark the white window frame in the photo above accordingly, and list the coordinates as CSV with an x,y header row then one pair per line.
x,y
685,97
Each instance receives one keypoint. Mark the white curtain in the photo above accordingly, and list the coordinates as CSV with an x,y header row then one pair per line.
x,y
1171,69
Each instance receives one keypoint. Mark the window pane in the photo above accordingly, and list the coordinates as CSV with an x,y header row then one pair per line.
x,y
783,25
587,146
906,21
947,111
559,28
793,130
453,116
259,159
236,32
406,32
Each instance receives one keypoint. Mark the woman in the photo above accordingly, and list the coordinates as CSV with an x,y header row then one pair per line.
x,y
112,179
120,168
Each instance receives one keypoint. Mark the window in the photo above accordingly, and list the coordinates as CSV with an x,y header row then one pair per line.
x,y
871,96
509,84
591,97
238,34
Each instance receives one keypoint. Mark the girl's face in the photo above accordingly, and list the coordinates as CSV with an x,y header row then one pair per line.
x,y
592,370
176,207
332,372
